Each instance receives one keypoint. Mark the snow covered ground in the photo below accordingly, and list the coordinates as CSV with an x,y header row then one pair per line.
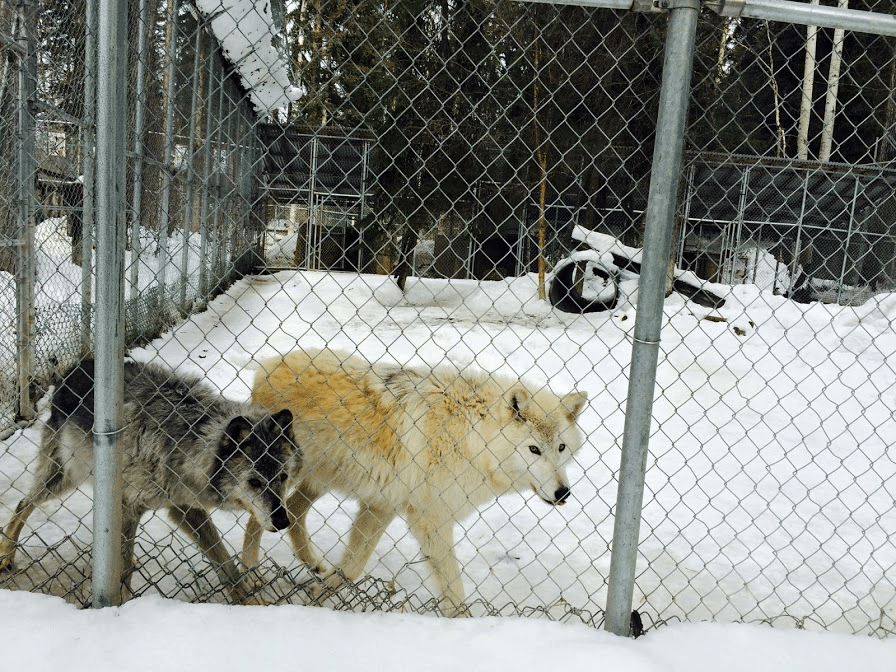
x,y
770,493
40,633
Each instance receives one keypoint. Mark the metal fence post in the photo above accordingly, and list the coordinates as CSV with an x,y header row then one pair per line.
x,y
25,271
139,146
205,263
196,79
661,205
216,175
110,218
228,170
88,133
244,147
170,67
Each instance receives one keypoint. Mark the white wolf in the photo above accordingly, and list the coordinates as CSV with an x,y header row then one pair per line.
x,y
429,444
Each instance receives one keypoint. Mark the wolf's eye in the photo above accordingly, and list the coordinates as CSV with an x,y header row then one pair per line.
x,y
282,477
535,450
562,447
256,483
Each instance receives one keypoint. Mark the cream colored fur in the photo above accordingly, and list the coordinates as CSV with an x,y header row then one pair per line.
x,y
431,445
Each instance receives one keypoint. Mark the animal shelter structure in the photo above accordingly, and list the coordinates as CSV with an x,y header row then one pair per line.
x,y
159,153
323,175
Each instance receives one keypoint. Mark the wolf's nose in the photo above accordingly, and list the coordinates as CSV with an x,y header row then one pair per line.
x,y
279,518
561,494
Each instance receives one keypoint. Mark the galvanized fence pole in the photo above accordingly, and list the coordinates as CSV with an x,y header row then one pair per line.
x,y
256,185
196,79
88,133
245,151
312,237
216,175
227,184
205,263
231,214
140,101
110,217
170,68
660,217
25,271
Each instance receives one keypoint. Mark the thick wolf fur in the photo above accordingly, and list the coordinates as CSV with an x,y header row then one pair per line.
x,y
429,444
184,448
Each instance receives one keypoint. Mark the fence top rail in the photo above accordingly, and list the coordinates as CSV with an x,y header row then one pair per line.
x,y
718,159
787,11
304,131
603,4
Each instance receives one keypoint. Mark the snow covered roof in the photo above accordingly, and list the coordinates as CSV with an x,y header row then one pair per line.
x,y
251,36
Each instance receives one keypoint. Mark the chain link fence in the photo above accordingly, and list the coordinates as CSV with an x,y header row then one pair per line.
x,y
421,182
190,154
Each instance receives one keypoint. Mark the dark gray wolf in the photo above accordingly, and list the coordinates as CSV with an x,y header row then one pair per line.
x,y
431,445
184,448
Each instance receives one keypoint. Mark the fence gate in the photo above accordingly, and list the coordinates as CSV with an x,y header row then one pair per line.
x,y
315,187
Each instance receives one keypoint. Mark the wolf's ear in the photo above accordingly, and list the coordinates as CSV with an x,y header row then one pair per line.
x,y
518,400
574,402
238,430
283,419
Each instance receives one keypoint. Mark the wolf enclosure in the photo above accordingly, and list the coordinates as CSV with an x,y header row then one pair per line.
x,y
398,181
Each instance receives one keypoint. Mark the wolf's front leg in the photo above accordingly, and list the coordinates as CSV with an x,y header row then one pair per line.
x,y
298,504
130,520
366,531
436,539
198,525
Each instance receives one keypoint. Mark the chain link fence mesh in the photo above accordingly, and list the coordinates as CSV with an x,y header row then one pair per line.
x,y
432,158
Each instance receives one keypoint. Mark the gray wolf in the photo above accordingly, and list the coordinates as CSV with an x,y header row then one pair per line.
x,y
431,445
184,448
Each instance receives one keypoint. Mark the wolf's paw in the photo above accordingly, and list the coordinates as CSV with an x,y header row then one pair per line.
x,y
7,556
331,579
314,560
454,611
326,583
254,600
321,569
126,593
246,592
451,605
